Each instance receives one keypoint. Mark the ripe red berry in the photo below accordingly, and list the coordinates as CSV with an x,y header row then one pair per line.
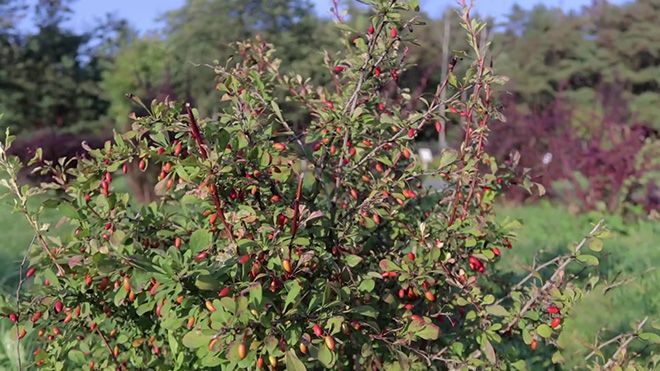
x,y
244,259
160,151
496,251
339,69
13,317
36,316
224,292
58,306
281,220
377,72
177,148
402,293
329,104
371,30
124,168
411,256
533,344
411,133
30,272
381,106
555,322
142,165
87,198
201,256
177,242
552,309
318,331
393,32
438,126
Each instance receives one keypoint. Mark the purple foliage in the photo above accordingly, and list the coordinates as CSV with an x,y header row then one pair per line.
x,y
599,163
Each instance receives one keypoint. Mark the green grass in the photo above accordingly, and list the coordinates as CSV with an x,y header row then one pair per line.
x,y
630,259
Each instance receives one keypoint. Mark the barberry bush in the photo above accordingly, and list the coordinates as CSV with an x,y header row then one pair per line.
x,y
270,248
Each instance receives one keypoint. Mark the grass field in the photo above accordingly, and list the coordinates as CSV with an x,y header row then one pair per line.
x,y
630,262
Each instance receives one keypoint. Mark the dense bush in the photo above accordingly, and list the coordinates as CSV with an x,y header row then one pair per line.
x,y
274,247
586,158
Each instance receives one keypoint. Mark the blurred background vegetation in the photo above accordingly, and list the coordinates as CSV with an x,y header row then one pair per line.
x,y
582,108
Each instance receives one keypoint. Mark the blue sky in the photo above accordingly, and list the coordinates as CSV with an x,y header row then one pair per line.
x,y
144,13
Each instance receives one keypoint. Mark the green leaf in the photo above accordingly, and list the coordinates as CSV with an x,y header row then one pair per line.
x,y
489,351
650,337
69,211
76,356
544,331
292,295
557,358
195,339
588,259
429,332
388,265
497,310
367,285
207,283
325,356
292,362
276,110
119,296
366,310
596,244
352,260
200,240
256,293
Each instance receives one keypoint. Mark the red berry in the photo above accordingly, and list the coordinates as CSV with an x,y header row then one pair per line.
x,y
339,69
552,309
201,256
411,133
411,256
438,126
377,72
329,104
142,165
124,168
224,292
36,316
496,251
30,272
244,259
318,331
393,32
58,306
13,317
555,322
371,30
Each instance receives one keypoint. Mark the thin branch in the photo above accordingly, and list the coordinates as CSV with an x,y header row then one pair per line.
x,y
18,301
624,345
549,283
197,136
